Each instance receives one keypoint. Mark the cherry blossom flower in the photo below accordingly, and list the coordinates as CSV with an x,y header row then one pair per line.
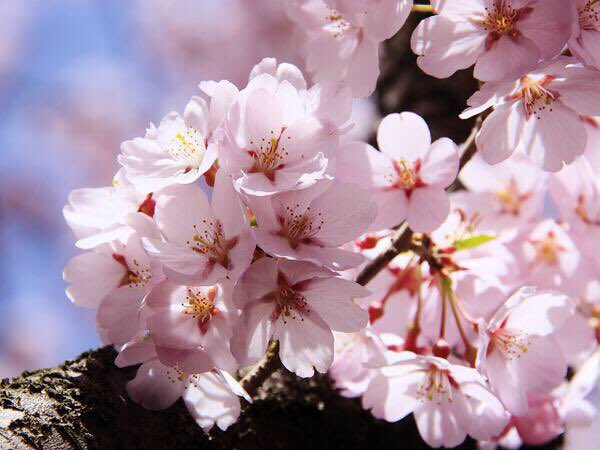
x,y
448,401
297,304
211,397
518,353
503,38
194,323
505,195
538,114
546,256
203,243
182,148
410,172
275,140
100,215
585,41
311,224
343,37
352,350
114,278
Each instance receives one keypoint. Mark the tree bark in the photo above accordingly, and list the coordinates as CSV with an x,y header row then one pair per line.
x,y
83,404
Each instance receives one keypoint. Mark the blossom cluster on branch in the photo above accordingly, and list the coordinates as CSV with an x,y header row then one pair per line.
x,y
251,219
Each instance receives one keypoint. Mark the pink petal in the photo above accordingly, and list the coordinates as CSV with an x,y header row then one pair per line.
x,y
542,313
500,133
440,423
209,400
403,136
347,211
92,276
120,314
333,300
557,137
257,281
263,117
441,56
385,18
389,217
428,208
179,210
252,332
155,386
358,162
194,360
440,164
508,59
363,68
548,26
305,343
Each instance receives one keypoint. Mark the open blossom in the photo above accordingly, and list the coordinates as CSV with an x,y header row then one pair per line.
x,y
448,401
518,353
352,350
585,41
211,397
503,38
343,37
182,148
100,215
279,135
297,304
538,114
409,173
546,256
505,195
114,278
194,323
311,224
203,242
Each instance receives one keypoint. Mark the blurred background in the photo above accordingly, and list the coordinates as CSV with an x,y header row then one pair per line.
x,y
77,77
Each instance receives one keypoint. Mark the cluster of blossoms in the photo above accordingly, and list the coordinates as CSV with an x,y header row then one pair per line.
x,y
464,307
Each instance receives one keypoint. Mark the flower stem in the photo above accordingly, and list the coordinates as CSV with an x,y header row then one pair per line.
x,y
444,294
470,351
428,9
267,366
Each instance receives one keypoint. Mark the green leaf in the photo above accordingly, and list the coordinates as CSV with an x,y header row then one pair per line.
x,y
472,242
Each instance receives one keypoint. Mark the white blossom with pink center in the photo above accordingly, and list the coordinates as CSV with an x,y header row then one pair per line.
x,y
203,242
114,278
311,224
506,195
503,38
100,215
193,323
585,40
181,148
297,304
280,136
343,37
517,351
448,401
538,114
210,397
546,256
409,172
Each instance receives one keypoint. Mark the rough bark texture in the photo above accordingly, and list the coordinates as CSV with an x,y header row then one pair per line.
x,y
83,403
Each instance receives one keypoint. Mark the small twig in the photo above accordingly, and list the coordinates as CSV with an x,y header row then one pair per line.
x,y
400,242
267,366
467,151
